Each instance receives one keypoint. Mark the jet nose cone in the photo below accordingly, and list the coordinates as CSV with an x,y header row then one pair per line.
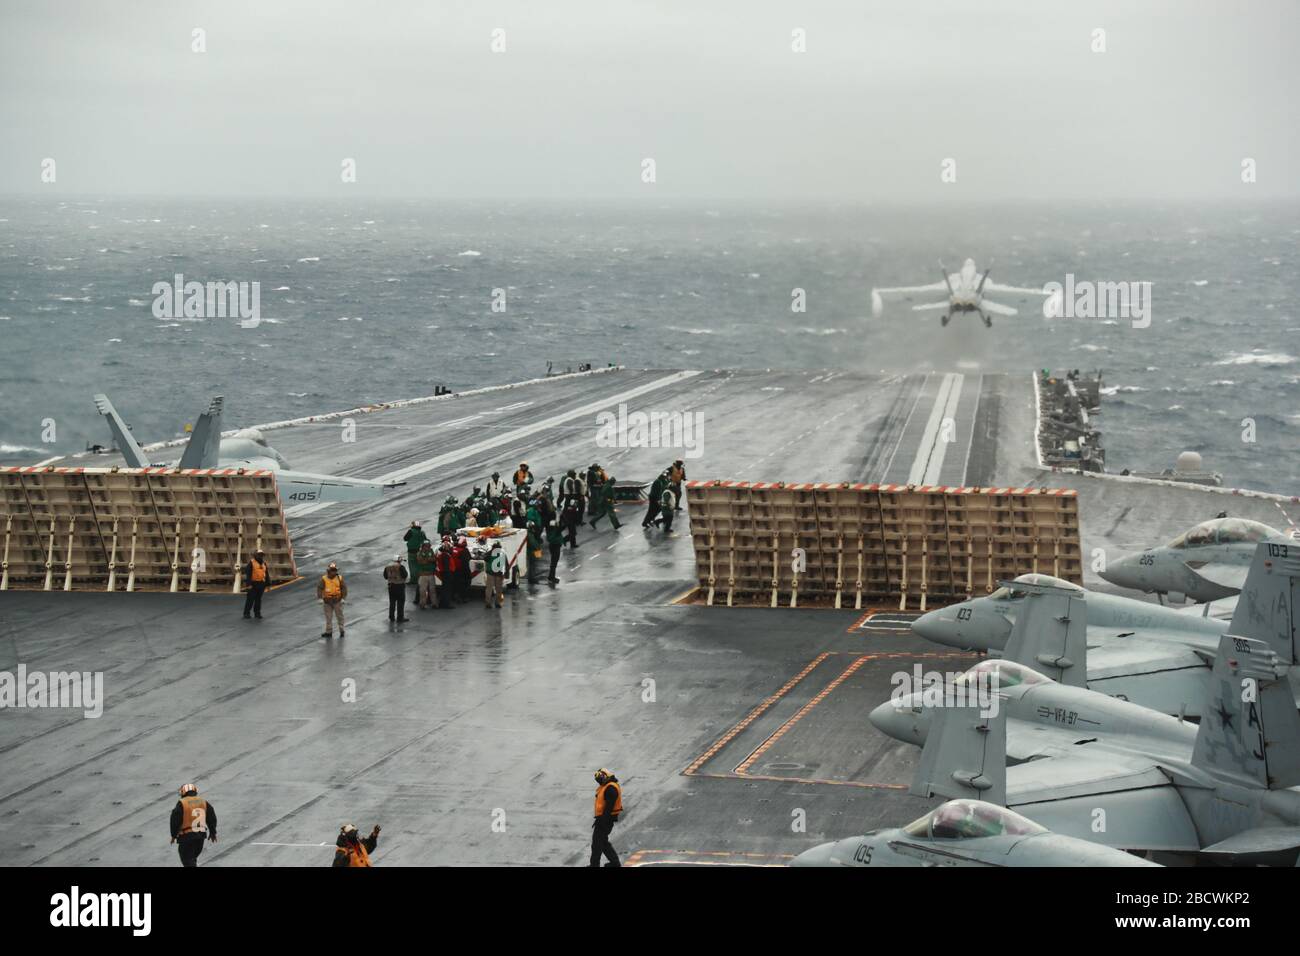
x,y
940,626
817,856
1123,572
903,719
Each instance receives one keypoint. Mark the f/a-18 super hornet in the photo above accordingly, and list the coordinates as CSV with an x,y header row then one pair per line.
x,y
966,291
1202,564
1137,650
1089,765
966,833
247,449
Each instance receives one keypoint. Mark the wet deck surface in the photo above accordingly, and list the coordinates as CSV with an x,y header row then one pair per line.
x,y
727,727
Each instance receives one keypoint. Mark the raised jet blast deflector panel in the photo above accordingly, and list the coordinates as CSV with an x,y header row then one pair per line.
x,y
775,544
139,529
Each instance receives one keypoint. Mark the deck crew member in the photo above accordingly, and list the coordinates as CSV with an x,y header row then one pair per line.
x,y
414,537
609,804
667,505
351,850
602,504
676,475
443,564
332,591
522,476
495,486
257,576
193,821
555,541
494,577
656,493
570,518
395,574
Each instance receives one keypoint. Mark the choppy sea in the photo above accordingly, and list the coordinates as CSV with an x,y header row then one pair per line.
x,y
369,301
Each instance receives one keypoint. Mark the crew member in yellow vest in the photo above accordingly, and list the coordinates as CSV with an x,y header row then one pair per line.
x,y
193,820
676,475
351,850
332,591
522,475
258,577
609,804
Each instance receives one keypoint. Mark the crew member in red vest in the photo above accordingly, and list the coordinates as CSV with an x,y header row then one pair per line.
x,y
193,821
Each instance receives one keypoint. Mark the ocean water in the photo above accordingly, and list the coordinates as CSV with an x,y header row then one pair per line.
x,y
368,301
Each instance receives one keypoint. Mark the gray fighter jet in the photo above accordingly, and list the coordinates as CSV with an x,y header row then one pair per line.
x,y
966,833
1137,650
247,449
1109,771
1206,563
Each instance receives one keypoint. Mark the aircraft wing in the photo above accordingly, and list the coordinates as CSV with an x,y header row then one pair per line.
x,y
1013,289
1170,677
877,304
1124,801
932,307
997,308
302,487
932,287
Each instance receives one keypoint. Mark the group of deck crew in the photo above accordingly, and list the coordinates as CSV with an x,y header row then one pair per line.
x,y
441,571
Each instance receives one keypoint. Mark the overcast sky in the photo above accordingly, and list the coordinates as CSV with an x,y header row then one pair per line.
x,y
712,91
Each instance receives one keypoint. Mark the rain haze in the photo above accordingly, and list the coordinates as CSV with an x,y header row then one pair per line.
x,y
751,100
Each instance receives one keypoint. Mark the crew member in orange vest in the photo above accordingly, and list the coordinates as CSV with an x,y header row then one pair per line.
x,y
609,804
257,576
193,821
351,850
332,591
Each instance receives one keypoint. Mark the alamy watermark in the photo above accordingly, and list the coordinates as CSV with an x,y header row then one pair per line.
x,y
81,690
179,299
654,429
1085,299
938,689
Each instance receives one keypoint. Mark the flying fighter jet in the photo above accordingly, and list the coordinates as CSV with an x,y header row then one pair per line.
x,y
1139,651
1205,563
966,290
966,833
1106,770
246,449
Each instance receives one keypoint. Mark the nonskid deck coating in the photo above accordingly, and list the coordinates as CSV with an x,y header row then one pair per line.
x,y
474,733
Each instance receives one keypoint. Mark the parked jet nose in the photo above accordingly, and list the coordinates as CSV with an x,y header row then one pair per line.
x,y
971,624
817,856
902,718
1126,573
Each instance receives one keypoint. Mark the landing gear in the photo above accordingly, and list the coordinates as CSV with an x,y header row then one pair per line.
x,y
945,319
988,323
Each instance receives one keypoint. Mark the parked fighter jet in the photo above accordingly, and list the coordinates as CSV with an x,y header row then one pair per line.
x,y
1106,770
966,291
1152,655
247,449
966,833
1205,563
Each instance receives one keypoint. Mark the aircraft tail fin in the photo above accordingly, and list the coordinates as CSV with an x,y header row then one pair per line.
x,y
1250,727
965,755
122,437
1266,609
204,445
1051,632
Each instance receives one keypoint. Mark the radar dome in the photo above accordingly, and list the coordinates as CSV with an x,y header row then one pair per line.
x,y
1188,461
